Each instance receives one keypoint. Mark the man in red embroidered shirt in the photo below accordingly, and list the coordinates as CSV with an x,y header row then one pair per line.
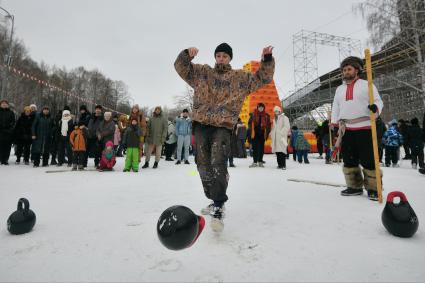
x,y
350,112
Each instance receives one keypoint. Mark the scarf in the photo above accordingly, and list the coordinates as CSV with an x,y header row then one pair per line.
x,y
64,127
349,94
260,118
109,153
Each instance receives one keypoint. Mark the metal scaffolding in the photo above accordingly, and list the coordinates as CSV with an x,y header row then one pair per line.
x,y
395,75
305,53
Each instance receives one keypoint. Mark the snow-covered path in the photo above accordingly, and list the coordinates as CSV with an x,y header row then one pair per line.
x,y
95,226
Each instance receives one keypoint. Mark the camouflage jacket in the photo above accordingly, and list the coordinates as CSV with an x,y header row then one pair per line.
x,y
220,91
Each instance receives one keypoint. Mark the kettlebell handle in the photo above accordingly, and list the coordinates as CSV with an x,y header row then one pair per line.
x,y
23,202
392,195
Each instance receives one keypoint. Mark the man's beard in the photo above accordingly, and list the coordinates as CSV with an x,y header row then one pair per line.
x,y
349,77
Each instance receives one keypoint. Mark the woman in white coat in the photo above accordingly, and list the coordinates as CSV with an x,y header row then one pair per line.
x,y
279,136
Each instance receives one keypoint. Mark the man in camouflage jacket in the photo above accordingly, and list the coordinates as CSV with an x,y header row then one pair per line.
x,y
219,93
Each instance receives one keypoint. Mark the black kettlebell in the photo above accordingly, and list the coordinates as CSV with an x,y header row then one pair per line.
x,y
22,220
399,219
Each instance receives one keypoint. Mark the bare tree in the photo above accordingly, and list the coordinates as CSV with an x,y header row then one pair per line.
x,y
397,24
31,82
185,99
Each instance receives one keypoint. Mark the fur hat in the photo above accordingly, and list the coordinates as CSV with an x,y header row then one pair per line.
x,y
414,121
353,61
224,47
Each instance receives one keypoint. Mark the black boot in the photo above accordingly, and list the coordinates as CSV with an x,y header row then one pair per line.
x,y
155,165
146,165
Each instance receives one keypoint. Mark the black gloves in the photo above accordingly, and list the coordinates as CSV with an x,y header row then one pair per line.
x,y
373,108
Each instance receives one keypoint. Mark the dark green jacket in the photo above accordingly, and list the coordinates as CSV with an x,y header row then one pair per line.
x,y
131,137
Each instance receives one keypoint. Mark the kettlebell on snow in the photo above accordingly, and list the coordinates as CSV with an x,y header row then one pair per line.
x,y
179,228
399,219
22,220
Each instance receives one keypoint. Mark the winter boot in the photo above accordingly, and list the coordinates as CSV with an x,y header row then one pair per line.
x,y
208,209
253,165
370,183
186,162
372,195
178,162
155,165
81,167
74,167
217,223
146,165
354,181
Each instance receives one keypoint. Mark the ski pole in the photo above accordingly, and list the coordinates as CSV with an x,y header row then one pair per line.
x,y
373,125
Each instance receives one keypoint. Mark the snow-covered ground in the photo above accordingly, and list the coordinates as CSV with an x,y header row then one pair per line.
x,y
95,226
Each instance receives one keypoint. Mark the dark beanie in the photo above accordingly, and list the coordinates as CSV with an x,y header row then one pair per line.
x,y
98,107
414,121
356,62
83,107
67,108
224,47
185,111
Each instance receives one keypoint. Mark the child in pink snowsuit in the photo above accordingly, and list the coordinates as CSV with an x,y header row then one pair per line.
x,y
107,161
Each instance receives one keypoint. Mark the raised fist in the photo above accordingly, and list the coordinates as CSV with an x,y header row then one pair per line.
x,y
192,51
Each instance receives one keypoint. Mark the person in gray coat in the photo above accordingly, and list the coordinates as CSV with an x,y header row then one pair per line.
x,y
106,129
184,134
170,142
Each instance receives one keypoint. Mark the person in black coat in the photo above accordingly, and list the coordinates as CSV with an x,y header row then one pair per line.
x,y
403,128
380,130
55,137
415,140
95,146
84,116
7,124
318,132
42,132
23,134
84,119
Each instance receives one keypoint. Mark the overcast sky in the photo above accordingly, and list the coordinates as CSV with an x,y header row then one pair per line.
x,y
138,41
